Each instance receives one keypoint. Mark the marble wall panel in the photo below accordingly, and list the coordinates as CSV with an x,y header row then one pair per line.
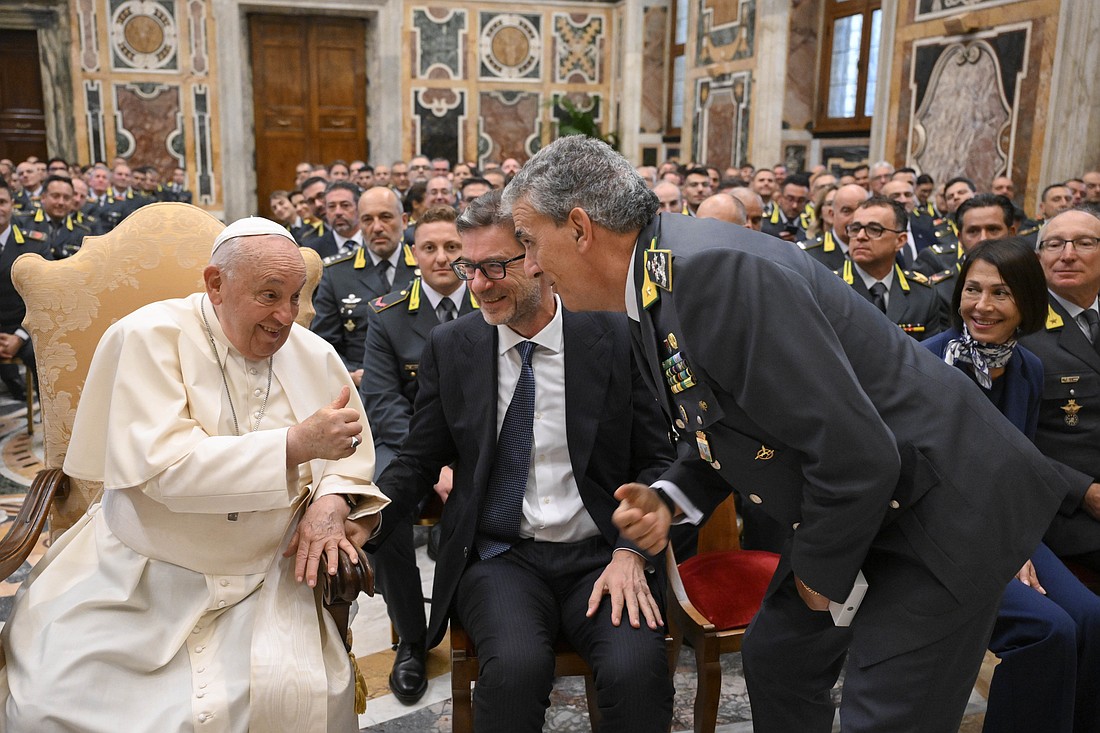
x,y
204,146
439,36
93,106
655,84
966,103
510,47
198,44
720,125
147,119
725,30
144,35
578,48
509,125
439,119
802,54
88,32
843,159
928,9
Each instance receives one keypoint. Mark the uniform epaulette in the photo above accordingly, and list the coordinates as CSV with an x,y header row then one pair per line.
x,y
940,276
1029,230
812,243
942,248
917,277
389,300
333,259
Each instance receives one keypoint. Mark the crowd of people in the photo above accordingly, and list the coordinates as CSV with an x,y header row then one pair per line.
x,y
564,444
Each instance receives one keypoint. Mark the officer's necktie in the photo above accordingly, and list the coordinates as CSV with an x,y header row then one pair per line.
x,y
1093,321
502,510
878,296
446,310
384,273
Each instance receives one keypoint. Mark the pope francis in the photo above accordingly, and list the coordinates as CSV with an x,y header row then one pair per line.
x,y
235,461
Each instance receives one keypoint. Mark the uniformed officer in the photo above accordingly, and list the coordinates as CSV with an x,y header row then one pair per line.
x,y
53,224
30,188
1055,199
176,190
784,221
313,191
977,218
399,326
1069,416
84,211
342,236
831,248
351,282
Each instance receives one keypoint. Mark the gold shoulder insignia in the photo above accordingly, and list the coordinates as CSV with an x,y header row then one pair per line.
x,y
1053,319
389,300
17,233
917,277
337,258
409,259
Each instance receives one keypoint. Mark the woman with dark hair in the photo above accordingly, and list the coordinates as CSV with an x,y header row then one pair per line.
x,y
1047,632
823,211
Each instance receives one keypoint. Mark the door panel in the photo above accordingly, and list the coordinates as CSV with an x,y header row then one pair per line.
x,y
22,109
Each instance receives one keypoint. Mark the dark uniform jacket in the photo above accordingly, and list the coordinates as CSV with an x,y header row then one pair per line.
x,y
826,250
399,324
343,299
911,303
62,237
943,254
12,309
1069,422
792,389
612,424
775,222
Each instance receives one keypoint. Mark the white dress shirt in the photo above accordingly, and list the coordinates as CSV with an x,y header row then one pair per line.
x,y
435,298
888,281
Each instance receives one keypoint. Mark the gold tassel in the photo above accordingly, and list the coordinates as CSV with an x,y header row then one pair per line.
x,y
360,687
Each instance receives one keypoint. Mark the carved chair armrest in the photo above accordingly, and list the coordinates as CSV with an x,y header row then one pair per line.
x,y
27,526
350,580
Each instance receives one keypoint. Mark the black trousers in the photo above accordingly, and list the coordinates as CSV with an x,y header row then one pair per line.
x,y
397,578
514,607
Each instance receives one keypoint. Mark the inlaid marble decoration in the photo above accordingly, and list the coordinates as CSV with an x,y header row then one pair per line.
x,y
88,34
144,35
509,125
196,23
578,48
93,105
204,145
725,30
966,100
439,42
147,116
926,9
721,121
842,159
510,47
439,116
655,34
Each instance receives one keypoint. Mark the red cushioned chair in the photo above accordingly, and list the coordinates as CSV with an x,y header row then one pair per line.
x,y
712,598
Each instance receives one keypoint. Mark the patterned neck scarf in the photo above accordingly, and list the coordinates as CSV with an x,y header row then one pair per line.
x,y
981,357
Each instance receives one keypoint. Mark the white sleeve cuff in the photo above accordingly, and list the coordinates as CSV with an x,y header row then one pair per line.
x,y
690,513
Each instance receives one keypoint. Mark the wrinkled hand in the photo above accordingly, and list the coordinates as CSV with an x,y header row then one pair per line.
x,y
10,344
624,580
1030,578
326,433
322,531
642,517
813,601
357,377
1091,502
445,483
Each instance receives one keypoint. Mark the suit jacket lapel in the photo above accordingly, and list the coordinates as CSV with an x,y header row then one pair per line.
x,y
645,340
426,318
478,377
895,309
587,372
1073,339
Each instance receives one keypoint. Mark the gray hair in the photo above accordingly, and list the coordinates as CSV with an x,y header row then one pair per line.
x,y
483,211
582,172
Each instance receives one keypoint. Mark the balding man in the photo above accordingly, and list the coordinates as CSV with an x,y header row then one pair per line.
x,y
352,281
668,194
754,206
723,207
247,427
831,248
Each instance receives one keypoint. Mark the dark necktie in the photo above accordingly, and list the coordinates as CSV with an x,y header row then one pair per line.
x,y
878,296
1093,320
384,273
446,310
502,510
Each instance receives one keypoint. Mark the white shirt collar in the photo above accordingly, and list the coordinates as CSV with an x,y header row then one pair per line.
x,y
5,236
1073,309
840,242
550,337
632,311
435,297
356,239
393,258
888,280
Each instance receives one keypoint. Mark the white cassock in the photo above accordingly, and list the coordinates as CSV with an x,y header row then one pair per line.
x,y
169,606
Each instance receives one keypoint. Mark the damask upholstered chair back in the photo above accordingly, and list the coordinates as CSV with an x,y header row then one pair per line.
x,y
158,252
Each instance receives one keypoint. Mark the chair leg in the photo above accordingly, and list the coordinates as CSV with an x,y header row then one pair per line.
x,y
593,704
709,670
30,400
462,711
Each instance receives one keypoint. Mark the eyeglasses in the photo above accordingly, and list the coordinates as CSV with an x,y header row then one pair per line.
x,y
491,269
874,231
1081,244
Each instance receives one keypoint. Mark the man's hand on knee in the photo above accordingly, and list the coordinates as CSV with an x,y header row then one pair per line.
x,y
624,580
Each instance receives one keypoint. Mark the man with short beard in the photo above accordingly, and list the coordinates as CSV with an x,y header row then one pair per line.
x,y
343,236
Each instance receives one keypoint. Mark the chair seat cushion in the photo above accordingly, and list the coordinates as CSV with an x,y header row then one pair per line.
x,y
728,587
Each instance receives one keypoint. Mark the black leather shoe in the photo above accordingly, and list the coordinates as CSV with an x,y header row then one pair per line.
x,y
408,680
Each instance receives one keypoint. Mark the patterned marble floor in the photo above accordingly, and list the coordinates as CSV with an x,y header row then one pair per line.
x,y
21,459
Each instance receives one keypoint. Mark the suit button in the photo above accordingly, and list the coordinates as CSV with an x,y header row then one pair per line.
x,y
755,499
894,504
795,525
465,552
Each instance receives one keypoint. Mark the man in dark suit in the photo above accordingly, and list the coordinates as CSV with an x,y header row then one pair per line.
x,y
351,282
399,326
342,237
797,393
1069,418
14,341
528,547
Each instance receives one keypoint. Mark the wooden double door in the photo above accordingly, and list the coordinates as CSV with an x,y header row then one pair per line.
x,y
22,108
309,81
